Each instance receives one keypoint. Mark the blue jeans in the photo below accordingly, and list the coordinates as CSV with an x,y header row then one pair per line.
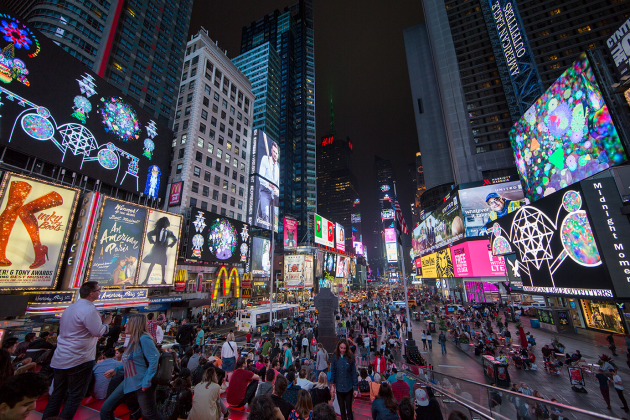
x,y
443,348
146,400
430,344
74,383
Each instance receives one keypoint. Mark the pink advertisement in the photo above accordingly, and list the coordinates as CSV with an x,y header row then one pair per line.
x,y
390,235
475,259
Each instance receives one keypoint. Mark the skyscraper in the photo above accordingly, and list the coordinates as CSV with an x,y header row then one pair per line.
x,y
292,34
137,45
212,143
385,183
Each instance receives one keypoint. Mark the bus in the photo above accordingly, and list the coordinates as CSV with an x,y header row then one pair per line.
x,y
257,317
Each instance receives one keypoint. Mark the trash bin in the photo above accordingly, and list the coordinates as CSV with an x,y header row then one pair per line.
x,y
534,323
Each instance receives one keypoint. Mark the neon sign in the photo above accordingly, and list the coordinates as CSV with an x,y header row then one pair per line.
x,y
329,140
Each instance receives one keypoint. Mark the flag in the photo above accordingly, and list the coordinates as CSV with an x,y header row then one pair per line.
x,y
399,217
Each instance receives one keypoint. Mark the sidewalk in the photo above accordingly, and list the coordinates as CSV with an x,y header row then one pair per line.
x,y
457,362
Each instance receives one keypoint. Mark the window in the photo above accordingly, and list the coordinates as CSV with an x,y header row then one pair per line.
x,y
207,177
197,171
246,121
212,134
207,90
208,161
243,154
232,110
202,128
239,116
229,145
242,179
238,216
221,140
240,204
213,209
199,141
191,85
189,98
245,132
187,111
185,125
215,108
232,201
210,147
179,169
223,213
219,153
235,163
226,171
204,114
234,175
206,101
217,180
180,154
193,73
227,157
213,122
223,115
184,138
216,96
240,191
242,166
222,127
193,202
231,214
233,189
204,205
215,194
224,104
199,157
206,191
224,198
225,184
195,187
230,133
218,166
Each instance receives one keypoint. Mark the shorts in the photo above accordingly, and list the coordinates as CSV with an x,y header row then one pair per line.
x,y
228,364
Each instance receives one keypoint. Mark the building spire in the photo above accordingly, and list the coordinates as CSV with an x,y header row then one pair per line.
x,y
332,117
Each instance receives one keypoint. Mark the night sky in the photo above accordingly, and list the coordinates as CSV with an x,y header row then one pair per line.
x,y
360,60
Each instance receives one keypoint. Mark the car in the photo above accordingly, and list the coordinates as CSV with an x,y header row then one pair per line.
x,y
453,308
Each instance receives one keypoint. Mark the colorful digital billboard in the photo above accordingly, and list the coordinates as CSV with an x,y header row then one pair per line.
x,y
330,266
390,235
429,266
216,238
355,218
324,231
569,239
441,228
568,135
387,214
340,237
294,271
264,182
392,253
160,249
483,204
475,259
35,219
289,232
343,267
358,248
73,118
261,257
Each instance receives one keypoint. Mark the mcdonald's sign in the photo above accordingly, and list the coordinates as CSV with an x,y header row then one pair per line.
x,y
181,278
222,274
247,281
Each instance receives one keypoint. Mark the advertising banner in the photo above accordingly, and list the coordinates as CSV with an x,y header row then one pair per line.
x,y
330,266
475,259
118,243
355,218
175,195
308,271
392,253
216,238
340,237
160,249
441,228
390,235
261,262
619,48
568,135
343,267
555,243
262,194
35,219
74,118
358,248
429,266
484,204
387,214
324,231
294,271
444,264
289,234
418,264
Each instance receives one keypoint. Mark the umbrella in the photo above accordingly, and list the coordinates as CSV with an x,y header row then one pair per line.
x,y
522,335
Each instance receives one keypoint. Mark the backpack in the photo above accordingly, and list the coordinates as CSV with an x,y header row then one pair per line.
x,y
170,407
164,372
364,386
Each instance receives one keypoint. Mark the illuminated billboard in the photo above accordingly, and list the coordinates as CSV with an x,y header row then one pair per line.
x,y
567,135
475,259
216,238
295,271
437,265
571,243
392,253
289,232
160,249
387,214
429,266
340,237
355,218
619,48
264,182
73,118
441,228
324,231
358,248
261,257
484,204
330,266
343,267
35,219
390,235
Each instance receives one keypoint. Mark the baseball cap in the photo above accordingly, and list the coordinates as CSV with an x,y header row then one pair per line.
x,y
421,397
400,376
492,195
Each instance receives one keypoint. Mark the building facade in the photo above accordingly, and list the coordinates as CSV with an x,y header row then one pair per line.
x,y
292,34
136,45
212,143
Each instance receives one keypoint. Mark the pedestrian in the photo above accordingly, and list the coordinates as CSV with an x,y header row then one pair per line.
x,y
73,360
619,388
424,339
384,406
430,340
442,341
611,344
139,363
604,388
343,378
229,351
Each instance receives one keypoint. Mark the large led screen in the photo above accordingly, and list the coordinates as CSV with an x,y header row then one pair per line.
x,y
567,135
475,259
261,257
555,243
267,157
289,232
118,242
392,253
294,271
390,235
482,205
340,237
55,108
330,265
216,238
159,252
35,219
343,267
264,206
440,229
324,231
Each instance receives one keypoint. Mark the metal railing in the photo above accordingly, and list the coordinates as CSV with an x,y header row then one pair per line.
x,y
488,402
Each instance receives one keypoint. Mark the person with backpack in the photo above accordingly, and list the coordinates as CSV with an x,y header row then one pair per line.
x,y
364,382
139,364
229,352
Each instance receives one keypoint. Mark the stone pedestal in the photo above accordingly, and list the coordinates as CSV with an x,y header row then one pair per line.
x,y
326,303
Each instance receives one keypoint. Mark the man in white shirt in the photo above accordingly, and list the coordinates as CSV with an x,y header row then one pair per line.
x,y
159,335
303,382
269,180
73,360
305,346
619,389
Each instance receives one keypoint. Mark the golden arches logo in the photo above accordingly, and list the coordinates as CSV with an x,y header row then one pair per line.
x,y
237,282
227,282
